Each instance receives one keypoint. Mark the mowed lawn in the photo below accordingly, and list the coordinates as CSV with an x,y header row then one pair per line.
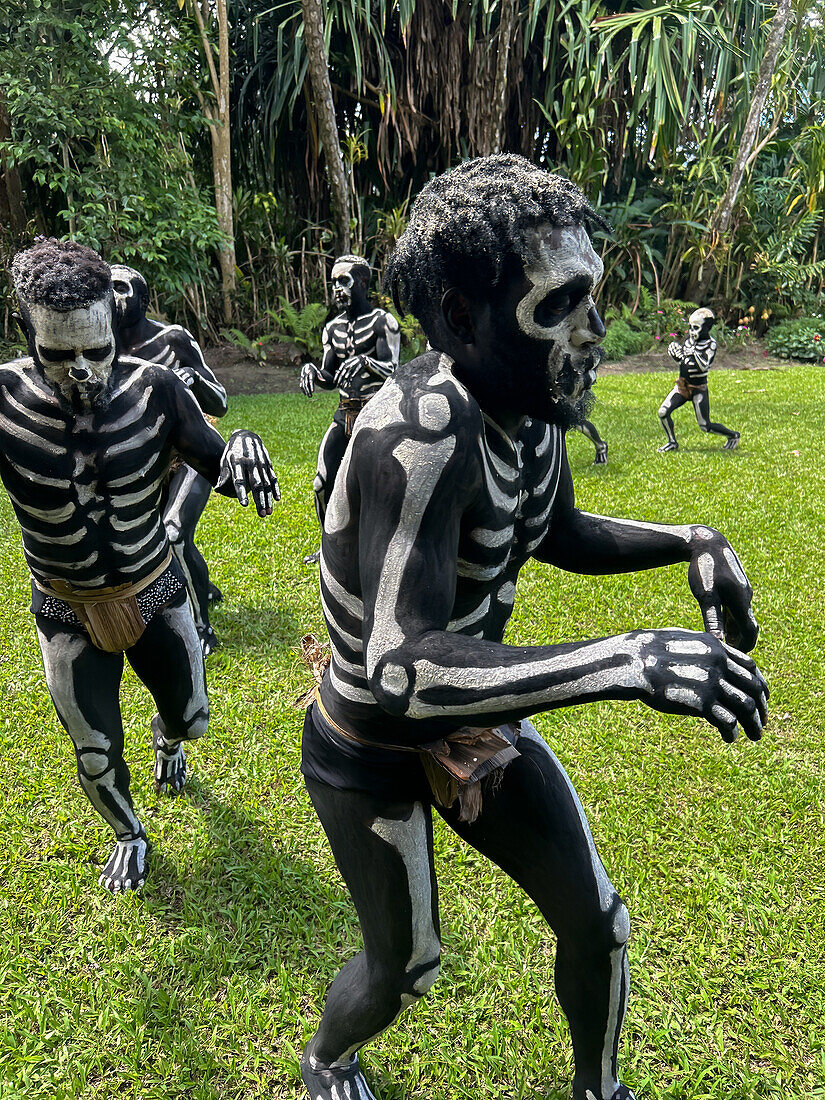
x,y
208,984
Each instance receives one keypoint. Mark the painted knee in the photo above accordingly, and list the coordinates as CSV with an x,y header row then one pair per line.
x,y
186,727
620,928
608,930
406,989
704,427
318,484
92,765
664,411
423,978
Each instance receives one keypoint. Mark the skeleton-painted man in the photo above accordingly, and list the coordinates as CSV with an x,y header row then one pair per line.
x,y
694,358
86,439
187,493
456,475
361,347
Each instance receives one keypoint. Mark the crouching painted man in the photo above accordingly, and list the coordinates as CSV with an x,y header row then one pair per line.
x,y
86,437
361,348
187,493
455,476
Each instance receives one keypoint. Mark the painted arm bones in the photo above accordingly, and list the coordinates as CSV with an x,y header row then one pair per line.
x,y
419,669
583,543
700,357
240,468
192,369
323,376
387,346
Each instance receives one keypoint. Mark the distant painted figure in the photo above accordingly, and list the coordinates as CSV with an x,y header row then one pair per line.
x,y
694,358
187,493
588,429
86,439
361,347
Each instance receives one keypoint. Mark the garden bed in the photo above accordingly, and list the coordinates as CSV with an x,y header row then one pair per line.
x,y
240,374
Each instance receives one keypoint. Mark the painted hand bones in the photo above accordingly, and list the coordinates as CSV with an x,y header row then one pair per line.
x,y
455,476
85,463
246,468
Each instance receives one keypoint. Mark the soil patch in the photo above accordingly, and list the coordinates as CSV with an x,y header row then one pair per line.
x,y
239,373
753,357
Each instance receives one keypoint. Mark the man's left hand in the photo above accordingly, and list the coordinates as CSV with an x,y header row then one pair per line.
x,y
722,590
186,376
347,371
246,465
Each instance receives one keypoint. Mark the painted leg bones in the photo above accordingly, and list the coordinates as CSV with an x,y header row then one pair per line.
x,y
384,852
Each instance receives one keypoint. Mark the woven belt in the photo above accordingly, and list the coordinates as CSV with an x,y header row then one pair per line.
x,y
111,616
454,765
65,590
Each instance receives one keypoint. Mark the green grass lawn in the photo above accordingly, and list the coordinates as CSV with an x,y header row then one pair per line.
x,y
207,984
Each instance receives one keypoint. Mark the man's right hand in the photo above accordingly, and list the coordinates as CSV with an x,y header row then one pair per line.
x,y
674,350
686,672
309,373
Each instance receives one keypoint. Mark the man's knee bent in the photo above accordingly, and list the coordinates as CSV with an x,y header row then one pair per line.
x,y
664,412
605,931
614,930
403,989
188,726
424,977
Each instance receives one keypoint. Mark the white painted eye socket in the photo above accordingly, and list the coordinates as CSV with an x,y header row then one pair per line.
x,y
554,259
343,282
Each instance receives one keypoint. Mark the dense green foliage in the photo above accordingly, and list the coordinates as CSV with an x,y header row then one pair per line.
x,y
207,985
622,340
102,135
99,129
803,338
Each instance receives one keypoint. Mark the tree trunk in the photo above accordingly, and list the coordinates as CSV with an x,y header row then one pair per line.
x,y
325,118
12,209
719,223
220,134
506,30
223,169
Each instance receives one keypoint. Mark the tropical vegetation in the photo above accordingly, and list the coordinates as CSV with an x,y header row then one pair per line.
x,y
676,118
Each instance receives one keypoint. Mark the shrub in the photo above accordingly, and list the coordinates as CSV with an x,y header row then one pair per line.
x,y
664,318
622,340
803,338
302,327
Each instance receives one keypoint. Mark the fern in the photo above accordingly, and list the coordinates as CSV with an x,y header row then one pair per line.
x,y
302,327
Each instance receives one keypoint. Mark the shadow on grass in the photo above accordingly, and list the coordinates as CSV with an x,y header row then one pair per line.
x,y
244,628
258,906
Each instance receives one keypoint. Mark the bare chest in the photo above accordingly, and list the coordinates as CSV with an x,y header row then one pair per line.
x,y
510,519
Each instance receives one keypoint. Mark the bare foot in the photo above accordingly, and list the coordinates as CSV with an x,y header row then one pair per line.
x,y
170,764
126,869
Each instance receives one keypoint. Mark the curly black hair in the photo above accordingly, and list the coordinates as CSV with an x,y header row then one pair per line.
x,y
465,224
61,275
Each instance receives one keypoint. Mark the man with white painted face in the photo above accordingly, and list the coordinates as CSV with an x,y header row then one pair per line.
x,y
86,438
694,357
187,492
456,475
361,347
